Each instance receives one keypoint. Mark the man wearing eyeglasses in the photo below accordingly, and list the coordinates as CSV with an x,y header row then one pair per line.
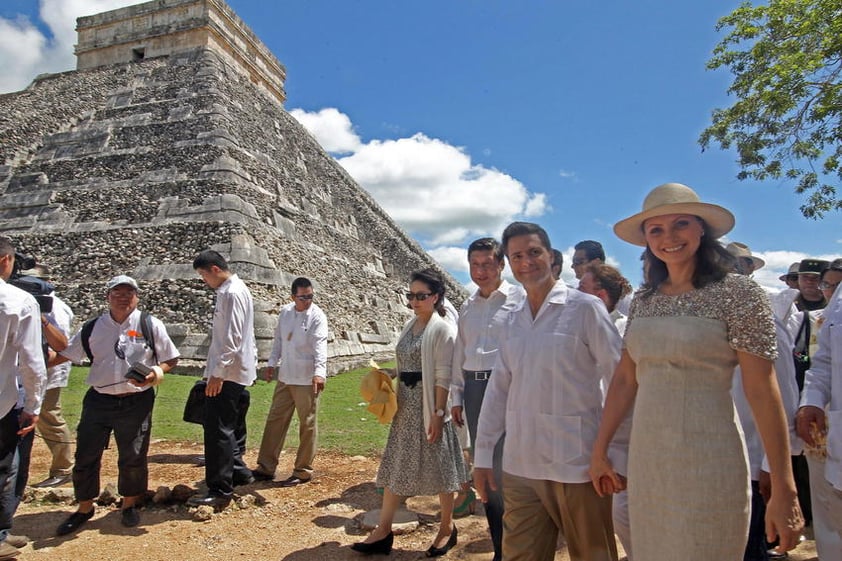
x,y
298,362
831,277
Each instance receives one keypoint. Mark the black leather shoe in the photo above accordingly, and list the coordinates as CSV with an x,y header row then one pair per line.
x,y
381,547
130,517
244,480
53,481
216,501
74,522
439,551
292,481
260,476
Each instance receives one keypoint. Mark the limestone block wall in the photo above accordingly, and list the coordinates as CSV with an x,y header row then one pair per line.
x,y
136,167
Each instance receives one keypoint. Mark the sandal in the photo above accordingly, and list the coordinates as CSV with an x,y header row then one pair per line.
x,y
467,506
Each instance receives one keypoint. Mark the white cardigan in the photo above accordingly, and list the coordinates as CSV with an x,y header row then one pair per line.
x,y
436,357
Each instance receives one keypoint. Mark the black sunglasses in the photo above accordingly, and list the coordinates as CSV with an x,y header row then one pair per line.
x,y
420,296
304,297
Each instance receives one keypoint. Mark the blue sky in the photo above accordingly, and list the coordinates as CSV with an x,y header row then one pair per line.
x,y
460,116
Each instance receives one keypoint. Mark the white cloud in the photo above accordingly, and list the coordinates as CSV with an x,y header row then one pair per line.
x,y
568,174
26,51
428,186
777,264
454,259
332,129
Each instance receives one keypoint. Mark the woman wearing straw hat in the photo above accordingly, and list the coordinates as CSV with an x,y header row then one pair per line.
x,y
689,326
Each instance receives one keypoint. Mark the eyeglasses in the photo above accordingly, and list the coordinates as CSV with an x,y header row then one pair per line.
x,y
420,296
304,297
828,285
580,261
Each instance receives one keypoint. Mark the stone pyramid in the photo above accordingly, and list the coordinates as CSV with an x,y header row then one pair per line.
x,y
171,137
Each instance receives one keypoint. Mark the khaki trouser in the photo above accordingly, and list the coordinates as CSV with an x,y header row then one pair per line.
x,y
286,400
56,434
535,511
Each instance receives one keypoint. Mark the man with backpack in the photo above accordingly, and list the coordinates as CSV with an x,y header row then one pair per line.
x,y
129,352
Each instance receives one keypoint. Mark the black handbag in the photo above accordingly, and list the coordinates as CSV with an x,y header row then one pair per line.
x,y
194,409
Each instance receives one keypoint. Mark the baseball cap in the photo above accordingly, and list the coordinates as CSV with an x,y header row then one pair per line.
x,y
121,279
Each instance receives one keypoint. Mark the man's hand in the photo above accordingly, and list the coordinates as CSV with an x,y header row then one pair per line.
x,y
456,414
483,477
804,418
214,387
27,423
269,373
765,484
318,385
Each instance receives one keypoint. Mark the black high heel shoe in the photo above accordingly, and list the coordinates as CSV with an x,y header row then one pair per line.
x,y
439,551
382,546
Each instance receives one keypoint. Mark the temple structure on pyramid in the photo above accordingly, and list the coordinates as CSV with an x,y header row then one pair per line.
x,y
171,137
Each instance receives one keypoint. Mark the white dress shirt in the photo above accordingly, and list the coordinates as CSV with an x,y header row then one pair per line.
x,y
62,318
232,355
545,392
20,350
823,386
115,348
299,348
481,322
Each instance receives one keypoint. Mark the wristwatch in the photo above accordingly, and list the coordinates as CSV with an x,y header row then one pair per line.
x,y
439,412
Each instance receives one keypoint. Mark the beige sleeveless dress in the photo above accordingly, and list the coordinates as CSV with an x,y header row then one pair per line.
x,y
689,485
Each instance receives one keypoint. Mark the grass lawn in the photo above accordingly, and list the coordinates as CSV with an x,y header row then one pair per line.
x,y
344,423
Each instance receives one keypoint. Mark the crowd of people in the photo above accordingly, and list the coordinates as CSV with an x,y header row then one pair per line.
x,y
697,417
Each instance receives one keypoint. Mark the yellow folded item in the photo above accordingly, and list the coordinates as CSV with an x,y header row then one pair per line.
x,y
376,388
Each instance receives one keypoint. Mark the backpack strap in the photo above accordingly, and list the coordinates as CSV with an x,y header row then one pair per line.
x,y
87,328
148,332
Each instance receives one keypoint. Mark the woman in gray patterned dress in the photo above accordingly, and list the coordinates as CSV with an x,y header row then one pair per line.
x,y
422,455
689,326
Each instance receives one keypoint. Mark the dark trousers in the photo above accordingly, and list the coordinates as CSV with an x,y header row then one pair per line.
x,y
225,438
472,397
801,473
9,426
130,418
756,548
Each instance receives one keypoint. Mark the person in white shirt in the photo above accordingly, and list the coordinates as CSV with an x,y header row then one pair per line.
x,y
20,355
114,343
298,362
231,367
481,320
545,395
820,413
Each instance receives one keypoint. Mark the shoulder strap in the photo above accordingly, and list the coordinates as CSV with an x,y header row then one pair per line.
x,y
87,328
148,332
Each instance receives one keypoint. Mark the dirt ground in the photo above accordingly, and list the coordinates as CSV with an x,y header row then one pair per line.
x,y
313,522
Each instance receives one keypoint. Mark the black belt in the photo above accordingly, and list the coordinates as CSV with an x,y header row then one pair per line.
x,y
477,375
411,379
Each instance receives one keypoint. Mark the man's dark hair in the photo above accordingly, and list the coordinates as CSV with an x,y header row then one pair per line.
x,y
486,244
611,280
593,250
713,262
434,282
524,229
208,258
558,258
300,282
6,246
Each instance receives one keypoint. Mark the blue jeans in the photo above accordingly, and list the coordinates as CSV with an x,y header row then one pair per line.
x,y
9,426
472,397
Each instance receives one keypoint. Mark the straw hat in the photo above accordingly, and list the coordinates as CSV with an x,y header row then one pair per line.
x,y
739,250
376,388
674,198
793,270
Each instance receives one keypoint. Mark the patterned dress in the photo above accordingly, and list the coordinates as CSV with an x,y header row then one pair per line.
x,y
689,486
412,466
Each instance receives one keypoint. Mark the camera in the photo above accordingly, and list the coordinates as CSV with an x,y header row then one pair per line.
x,y
39,288
138,372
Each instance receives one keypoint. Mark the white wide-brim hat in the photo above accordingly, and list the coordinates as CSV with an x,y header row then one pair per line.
x,y
674,198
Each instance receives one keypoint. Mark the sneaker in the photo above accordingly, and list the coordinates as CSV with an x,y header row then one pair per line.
x,y
17,541
130,517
